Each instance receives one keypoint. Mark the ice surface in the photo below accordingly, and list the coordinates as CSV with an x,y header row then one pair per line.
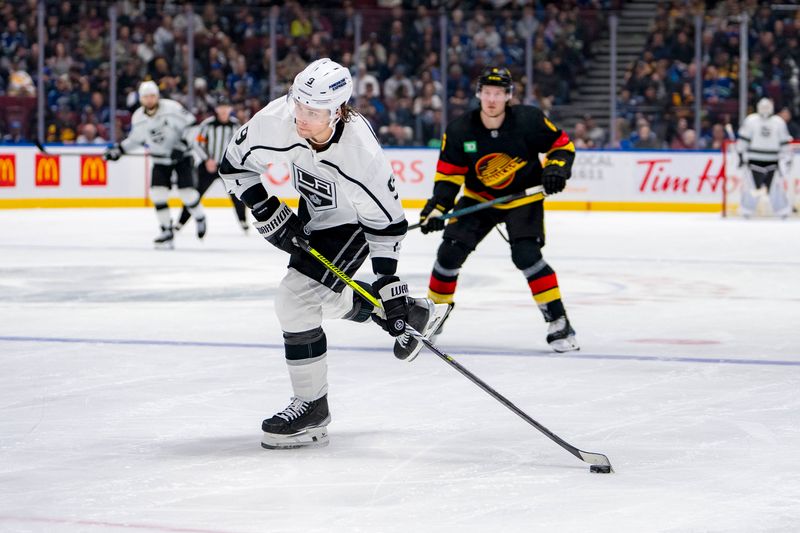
x,y
133,383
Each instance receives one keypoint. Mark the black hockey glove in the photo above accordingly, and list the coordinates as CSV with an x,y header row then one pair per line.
x,y
113,153
277,223
429,220
554,178
393,295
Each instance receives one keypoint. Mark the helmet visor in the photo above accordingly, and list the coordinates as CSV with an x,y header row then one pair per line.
x,y
311,115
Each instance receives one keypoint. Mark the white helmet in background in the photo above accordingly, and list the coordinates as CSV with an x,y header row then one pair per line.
x,y
765,108
148,87
324,84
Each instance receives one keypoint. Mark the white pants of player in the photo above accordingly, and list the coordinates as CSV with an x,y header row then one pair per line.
x,y
778,198
301,305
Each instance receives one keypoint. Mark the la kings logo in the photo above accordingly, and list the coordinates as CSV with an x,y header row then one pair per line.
x,y
320,194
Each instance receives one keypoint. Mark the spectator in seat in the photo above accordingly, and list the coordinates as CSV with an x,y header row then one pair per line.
x,y
715,87
791,123
594,132
684,141
20,82
644,138
89,135
397,80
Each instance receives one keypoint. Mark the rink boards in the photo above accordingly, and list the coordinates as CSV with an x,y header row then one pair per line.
x,y
602,180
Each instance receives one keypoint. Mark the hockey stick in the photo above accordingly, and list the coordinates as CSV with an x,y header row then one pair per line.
x,y
41,148
530,192
599,462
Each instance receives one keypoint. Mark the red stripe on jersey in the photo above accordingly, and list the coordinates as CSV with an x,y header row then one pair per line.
x,y
561,141
543,284
442,287
448,168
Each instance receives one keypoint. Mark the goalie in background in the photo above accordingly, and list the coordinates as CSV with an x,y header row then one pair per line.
x,y
491,152
763,148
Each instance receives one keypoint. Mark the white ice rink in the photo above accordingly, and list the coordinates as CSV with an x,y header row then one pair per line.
x,y
133,383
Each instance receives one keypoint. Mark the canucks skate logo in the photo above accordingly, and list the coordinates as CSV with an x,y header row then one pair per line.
x,y
497,170
320,194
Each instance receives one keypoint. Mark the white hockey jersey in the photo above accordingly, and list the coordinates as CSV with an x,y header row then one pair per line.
x,y
166,130
764,139
349,182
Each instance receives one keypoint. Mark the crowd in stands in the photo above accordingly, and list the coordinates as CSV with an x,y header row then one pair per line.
x,y
656,102
399,83
399,79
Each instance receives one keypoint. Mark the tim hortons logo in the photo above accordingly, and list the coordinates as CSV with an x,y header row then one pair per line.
x,y
94,171
47,171
8,170
659,177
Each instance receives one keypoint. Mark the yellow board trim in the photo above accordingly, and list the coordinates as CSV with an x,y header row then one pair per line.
x,y
509,205
552,205
458,179
673,207
547,296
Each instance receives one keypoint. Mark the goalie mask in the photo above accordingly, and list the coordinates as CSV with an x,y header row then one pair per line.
x,y
323,85
764,108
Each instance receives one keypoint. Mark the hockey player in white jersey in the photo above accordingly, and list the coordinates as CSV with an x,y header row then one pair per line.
x,y
163,124
763,148
349,210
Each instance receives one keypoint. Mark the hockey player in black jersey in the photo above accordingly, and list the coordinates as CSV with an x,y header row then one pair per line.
x,y
491,152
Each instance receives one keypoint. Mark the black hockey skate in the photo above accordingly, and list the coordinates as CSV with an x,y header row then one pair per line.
x,y
425,317
561,336
164,240
301,425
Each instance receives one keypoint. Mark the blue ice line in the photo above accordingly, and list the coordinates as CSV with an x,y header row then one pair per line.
x,y
453,351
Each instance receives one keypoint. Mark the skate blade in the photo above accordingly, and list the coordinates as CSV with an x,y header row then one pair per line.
x,y
168,245
565,345
440,313
309,438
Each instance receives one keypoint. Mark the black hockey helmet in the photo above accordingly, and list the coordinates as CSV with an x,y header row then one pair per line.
x,y
499,76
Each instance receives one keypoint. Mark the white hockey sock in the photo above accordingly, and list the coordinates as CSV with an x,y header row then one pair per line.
x,y
191,199
159,197
309,377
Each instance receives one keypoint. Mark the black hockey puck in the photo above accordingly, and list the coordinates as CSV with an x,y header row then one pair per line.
x,y
600,469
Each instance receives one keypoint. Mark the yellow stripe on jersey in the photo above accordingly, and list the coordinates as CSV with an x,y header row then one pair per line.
x,y
569,147
458,179
538,197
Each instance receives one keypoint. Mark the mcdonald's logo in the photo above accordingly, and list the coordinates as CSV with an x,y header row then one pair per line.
x,y
93,171
47,171
8,170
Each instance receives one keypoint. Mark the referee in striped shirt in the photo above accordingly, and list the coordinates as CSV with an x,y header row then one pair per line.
x,y
213,137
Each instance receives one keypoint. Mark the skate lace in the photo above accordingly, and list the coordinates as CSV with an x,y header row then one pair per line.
x,y
403,338
295,409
